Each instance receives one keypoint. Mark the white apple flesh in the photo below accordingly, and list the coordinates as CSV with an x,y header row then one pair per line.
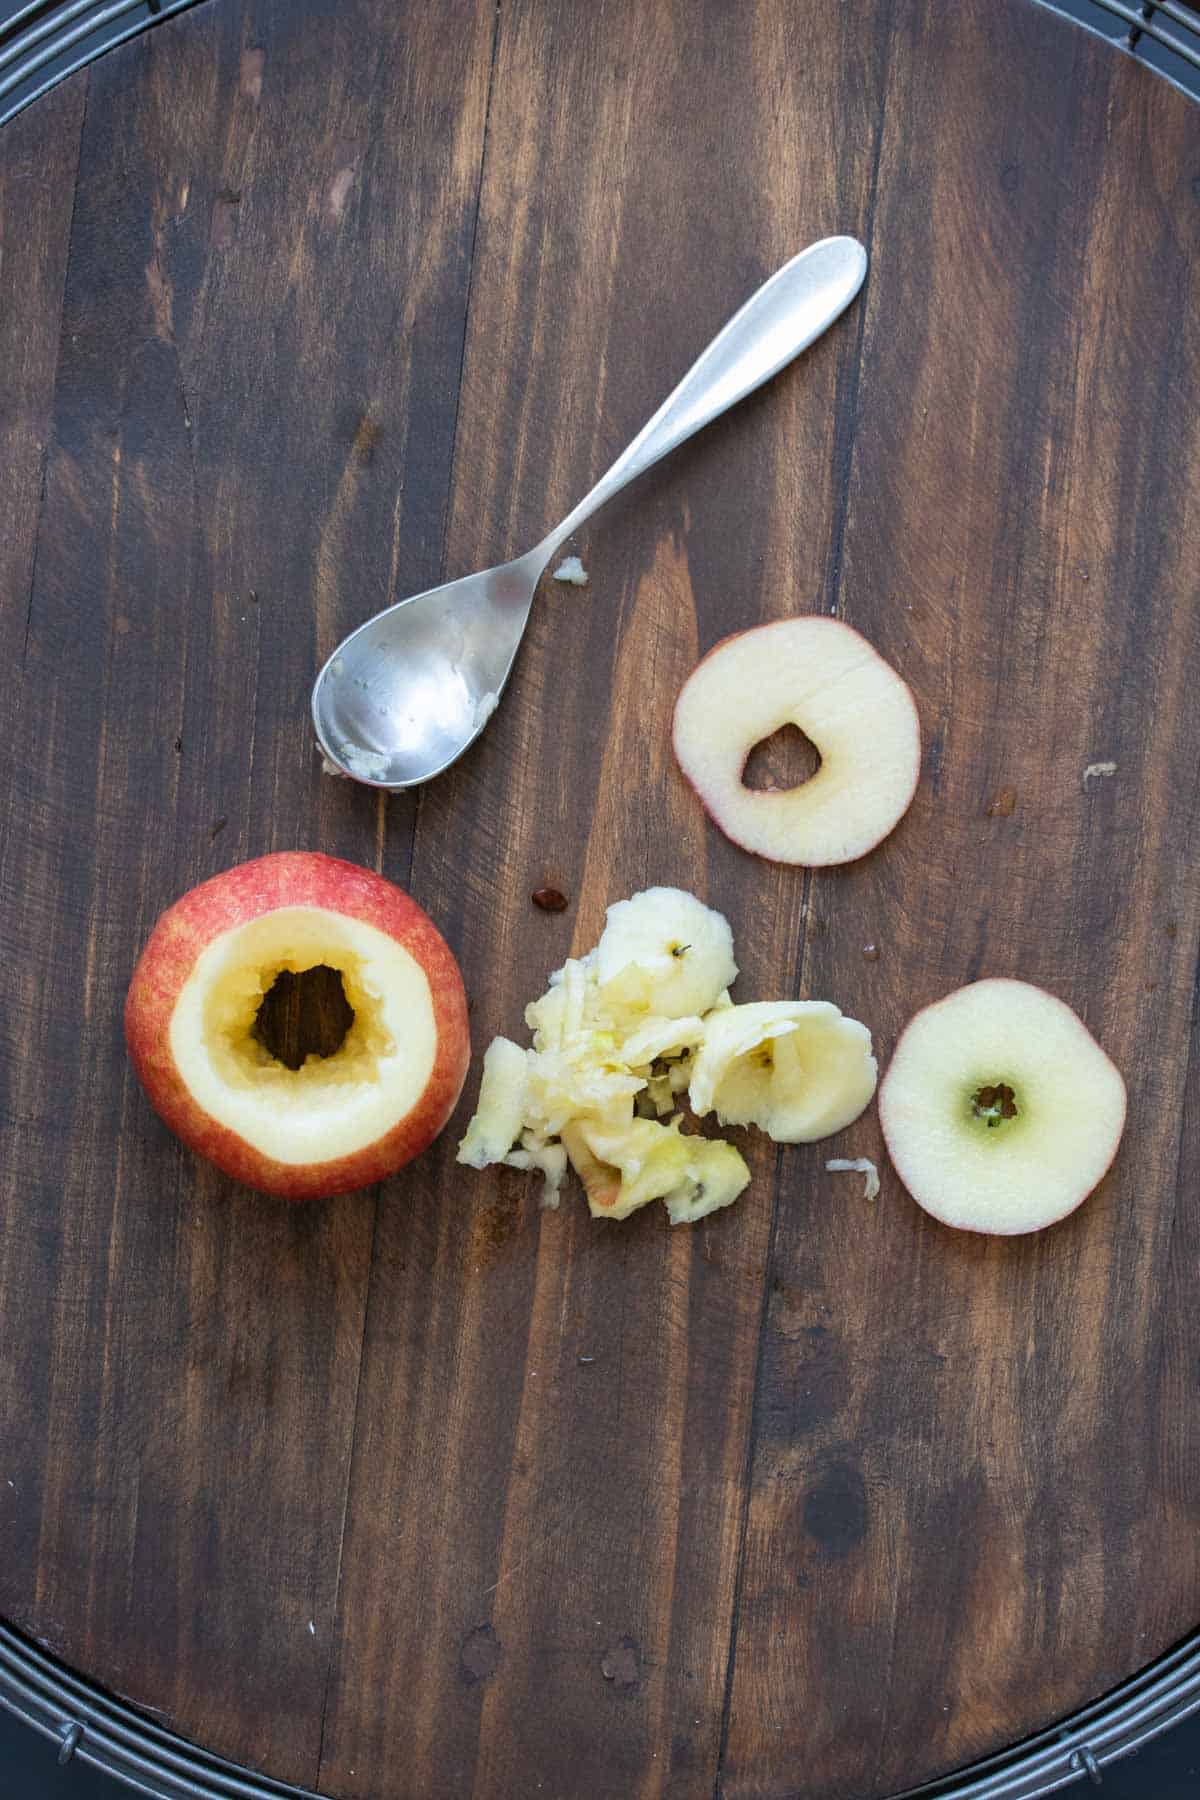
x,y
1000,1110
823,677
664,951
797,1069
500,1110
624,1031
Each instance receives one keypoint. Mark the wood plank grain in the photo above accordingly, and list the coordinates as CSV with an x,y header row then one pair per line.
x,y
960,1509
253,425
37,181
570,1627
835,1499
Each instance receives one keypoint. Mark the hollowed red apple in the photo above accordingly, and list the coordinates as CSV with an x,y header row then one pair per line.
x,y
823,677
338,1121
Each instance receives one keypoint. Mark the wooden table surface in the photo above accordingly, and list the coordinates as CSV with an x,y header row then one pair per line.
x,y
303,306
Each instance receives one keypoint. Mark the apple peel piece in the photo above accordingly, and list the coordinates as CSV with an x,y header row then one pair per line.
x,y
1000,1111
857,1165
798,1069
822,676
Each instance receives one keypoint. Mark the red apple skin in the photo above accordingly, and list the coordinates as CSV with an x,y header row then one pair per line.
x,y
730,831
292,878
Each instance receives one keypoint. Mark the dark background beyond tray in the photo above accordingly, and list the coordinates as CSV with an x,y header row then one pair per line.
x,y
1167,1770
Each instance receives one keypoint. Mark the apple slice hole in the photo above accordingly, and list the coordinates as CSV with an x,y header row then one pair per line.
x,y
994,1103
785,760
304,1013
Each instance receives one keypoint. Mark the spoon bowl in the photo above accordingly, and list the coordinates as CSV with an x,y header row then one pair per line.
x,y
405,694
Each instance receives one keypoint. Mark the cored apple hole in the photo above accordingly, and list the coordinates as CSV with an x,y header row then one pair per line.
x,y
994,1103
303,1014
786,759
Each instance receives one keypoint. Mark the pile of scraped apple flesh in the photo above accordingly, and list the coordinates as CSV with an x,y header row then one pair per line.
x,y
337,1121
623,1034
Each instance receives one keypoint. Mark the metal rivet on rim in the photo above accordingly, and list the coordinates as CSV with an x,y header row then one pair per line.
x,y
69,1735
1084,1759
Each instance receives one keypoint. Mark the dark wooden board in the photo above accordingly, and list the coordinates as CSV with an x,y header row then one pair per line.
x,y
304,305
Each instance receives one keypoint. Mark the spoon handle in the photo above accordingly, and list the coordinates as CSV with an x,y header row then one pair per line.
x,y
792,308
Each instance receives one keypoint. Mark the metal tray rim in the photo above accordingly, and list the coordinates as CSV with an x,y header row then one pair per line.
x,y
83,1720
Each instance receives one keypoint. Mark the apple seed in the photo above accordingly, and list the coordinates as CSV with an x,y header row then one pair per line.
x,y
549,899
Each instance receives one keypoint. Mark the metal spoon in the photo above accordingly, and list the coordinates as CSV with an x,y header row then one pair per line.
x,y
402,697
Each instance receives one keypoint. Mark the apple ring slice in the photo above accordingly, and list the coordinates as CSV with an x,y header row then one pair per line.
x,y
822,676
1000,1110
